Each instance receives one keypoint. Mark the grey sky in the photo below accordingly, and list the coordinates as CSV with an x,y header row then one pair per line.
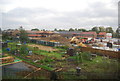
x,y
61,14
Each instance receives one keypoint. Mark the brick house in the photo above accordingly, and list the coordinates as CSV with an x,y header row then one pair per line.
x,y
86,34
102,35
36,34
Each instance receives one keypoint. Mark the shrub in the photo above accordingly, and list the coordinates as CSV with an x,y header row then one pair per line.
x,y
63,47
23,49
86,56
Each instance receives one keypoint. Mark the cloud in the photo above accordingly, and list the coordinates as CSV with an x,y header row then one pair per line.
x,y
60,14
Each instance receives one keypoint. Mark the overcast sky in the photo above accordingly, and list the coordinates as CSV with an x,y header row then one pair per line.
x,y
60,14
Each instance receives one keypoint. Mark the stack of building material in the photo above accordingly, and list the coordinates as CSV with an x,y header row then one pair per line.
x,y
82,45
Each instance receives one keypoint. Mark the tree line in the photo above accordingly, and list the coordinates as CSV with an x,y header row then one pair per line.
x,y
23,33
95,29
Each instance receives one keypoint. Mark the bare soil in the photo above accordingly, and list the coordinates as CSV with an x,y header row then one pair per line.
x,y
36,57
41,47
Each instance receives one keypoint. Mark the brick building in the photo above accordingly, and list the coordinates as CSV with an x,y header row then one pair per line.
x,y
86,34
102,35
36,34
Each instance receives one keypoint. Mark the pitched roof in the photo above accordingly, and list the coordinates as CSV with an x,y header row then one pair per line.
x,y
34,31
28,31
102,33
88,33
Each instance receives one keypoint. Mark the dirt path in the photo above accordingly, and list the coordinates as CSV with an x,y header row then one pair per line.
x,y
41,47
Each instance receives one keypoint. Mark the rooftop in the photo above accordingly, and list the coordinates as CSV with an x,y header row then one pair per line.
x,y
28,31
102,33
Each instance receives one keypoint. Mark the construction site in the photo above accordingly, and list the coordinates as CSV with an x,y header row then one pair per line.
x,y
56,40
54,56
